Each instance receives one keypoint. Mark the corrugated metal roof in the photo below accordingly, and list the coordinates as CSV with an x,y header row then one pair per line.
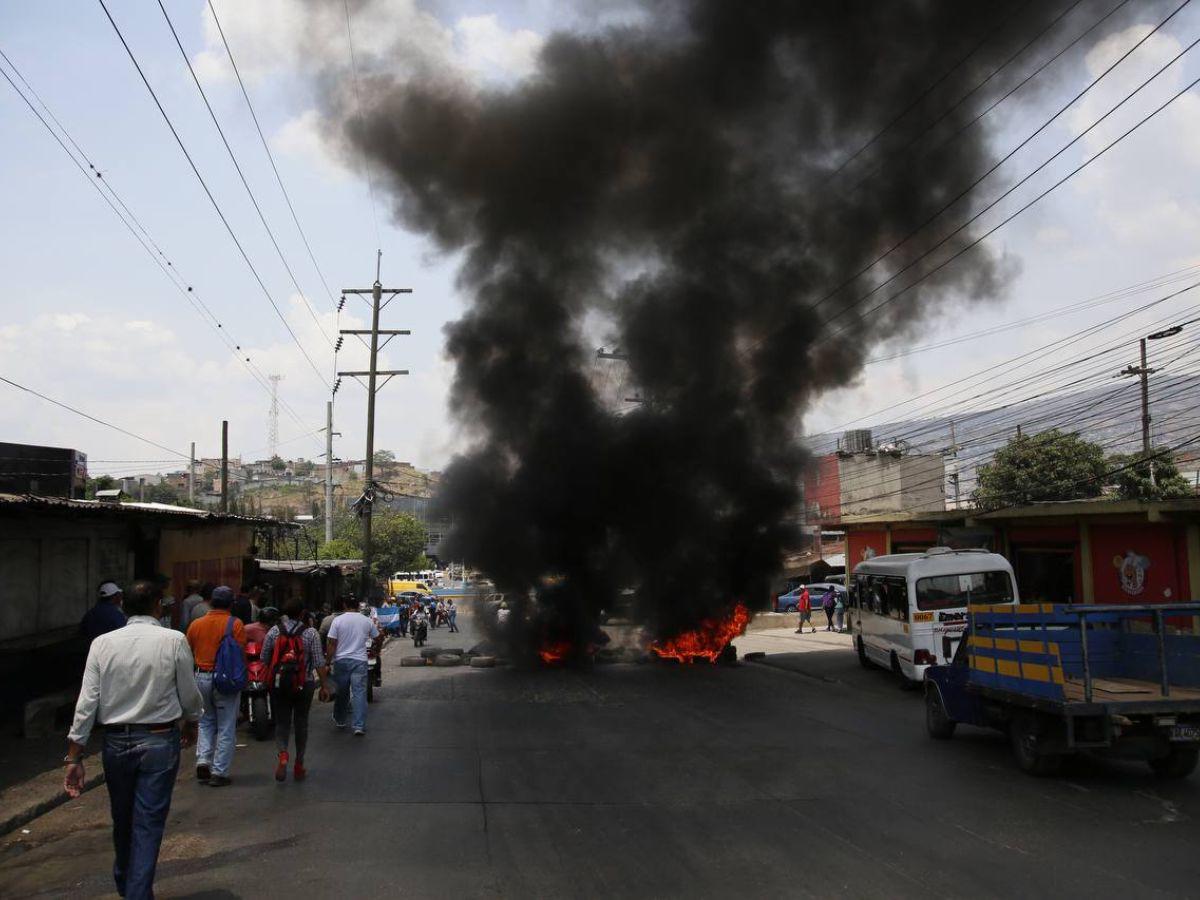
x,y
308,566
155,510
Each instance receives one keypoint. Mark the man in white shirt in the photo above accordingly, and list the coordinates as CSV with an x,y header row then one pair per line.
x,y
138,683
349,636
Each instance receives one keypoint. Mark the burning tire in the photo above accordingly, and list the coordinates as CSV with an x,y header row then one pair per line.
x,y
448,659
482,662
408,661
431,652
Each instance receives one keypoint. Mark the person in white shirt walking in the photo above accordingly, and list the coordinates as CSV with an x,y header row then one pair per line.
x,y
138,683
349,636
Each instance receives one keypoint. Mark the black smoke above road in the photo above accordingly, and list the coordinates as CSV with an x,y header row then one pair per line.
x,y
679,181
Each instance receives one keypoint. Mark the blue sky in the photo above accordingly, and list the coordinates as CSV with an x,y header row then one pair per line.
x,y
87,318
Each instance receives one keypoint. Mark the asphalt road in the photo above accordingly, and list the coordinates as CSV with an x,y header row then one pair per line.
x,y
643,780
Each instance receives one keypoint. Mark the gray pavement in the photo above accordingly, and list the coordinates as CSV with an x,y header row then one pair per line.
x,y
641,781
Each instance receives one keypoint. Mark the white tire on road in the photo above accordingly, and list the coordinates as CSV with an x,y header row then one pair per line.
x,y
412,661
448,659
482,662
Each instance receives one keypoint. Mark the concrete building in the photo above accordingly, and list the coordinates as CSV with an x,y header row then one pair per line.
x,y
864,480
1082,551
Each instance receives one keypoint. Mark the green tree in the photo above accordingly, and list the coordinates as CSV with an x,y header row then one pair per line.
x,y
339,548
163,493
1051,465
100,483
278,464
303,468
398,540
1134,483
384,457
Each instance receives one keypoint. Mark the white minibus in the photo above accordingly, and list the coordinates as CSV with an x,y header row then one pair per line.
x,y
908,610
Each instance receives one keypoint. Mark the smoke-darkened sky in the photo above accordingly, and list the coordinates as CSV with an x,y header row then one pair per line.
x,y
682,179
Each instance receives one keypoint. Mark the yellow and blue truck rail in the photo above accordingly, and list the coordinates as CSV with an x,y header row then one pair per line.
x,y
1061,678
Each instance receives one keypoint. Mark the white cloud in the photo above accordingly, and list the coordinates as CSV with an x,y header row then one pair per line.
x,y
490,51
303,138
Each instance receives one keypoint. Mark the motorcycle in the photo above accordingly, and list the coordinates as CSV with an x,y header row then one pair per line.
x,y
420,633
257,695
374,671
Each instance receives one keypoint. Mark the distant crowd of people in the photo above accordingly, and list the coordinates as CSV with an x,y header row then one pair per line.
x,y
399,615
158,679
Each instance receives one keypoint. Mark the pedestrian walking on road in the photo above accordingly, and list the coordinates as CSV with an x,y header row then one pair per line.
x,y
190,602
138,683
452,616
349,636
218,726
106,615
804,605
839,612
828,602
293,653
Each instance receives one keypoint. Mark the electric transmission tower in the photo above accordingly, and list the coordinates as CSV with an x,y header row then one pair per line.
x,y
273,417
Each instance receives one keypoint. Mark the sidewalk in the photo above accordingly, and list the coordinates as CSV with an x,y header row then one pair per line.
x,y
31,776
815,655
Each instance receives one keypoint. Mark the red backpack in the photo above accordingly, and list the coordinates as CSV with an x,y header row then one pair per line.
x,y
289,661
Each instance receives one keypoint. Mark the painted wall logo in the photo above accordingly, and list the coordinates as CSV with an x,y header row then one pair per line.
x,y
1132,570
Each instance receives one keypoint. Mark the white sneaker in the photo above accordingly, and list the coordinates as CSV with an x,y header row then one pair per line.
x,y
358,732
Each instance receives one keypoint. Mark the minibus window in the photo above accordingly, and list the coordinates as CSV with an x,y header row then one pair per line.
x,y
954,591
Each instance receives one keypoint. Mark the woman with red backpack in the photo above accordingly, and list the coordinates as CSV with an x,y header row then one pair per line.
x,y
296,662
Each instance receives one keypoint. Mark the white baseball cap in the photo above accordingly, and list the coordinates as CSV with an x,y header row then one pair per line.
x,y
109,589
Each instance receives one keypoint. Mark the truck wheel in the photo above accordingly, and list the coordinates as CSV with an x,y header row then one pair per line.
x,y
1022,735
937,722
862,653
260,724
1180,762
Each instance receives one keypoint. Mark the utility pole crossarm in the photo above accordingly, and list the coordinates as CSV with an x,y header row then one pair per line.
x,y
372,374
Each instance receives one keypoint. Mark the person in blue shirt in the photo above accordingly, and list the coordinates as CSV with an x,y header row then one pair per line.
x,y
106,615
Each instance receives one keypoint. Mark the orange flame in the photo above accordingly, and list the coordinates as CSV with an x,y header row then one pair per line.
x,y
707,640
554,652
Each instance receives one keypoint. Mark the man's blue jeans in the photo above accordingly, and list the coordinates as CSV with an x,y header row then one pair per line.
x,y
218,726
139,770
350,675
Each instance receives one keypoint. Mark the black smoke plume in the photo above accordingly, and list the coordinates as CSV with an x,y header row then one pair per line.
x,y
679,180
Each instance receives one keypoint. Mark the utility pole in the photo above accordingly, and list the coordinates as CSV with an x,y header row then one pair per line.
x,y
141,490
329,471
378,304
952,452
192,475
1144,372
224,466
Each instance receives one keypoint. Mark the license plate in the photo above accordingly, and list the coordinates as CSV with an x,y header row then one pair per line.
x,y
1185,732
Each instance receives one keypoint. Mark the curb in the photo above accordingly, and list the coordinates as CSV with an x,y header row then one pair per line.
x,y
45,805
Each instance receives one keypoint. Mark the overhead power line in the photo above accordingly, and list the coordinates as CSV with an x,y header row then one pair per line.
x,y
242,175
98,421
359,105
113,199
270,156
212,199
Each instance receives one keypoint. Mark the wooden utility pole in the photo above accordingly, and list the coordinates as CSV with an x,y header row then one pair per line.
x,y
224,466
367,500
192,475
1144,372
328,471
